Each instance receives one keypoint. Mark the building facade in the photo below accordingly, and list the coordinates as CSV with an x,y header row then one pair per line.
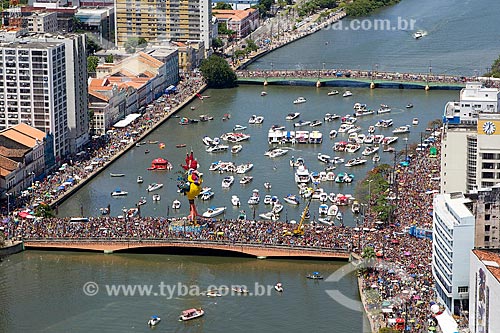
x,y
487,213
42,22
243,22
453,239
484,291
170,20
470,156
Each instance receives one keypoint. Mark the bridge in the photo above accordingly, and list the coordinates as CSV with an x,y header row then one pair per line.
x,y
109,245
355,78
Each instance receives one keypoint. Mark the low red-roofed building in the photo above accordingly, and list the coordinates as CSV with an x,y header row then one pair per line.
x,y
243,22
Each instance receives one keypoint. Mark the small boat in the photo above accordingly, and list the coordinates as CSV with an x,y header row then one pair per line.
x,y
235,200
239,127
315,123
236,149
356,206
355,161
207,141
191,314
263,93
146,151
278,287
117,174
333,134
140,180
301,123
292,116
333,210
154,187
330,117
315,276
142,201
206,195
383,109
347,93
267,185
242,215
376,158
153,142
227,181
333,92
246,180
214,211
217,149
292,199
267,199
119,193
299,100
154,320
104,210
156,197
414,121
409,106
176,204
180,145
213,293
255,198
240,290
131,212
418,34
402,129
323,209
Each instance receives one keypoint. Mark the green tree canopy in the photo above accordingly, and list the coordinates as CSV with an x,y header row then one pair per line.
x,y
44,210
109,58
223,5
365,7
217,43
92,62
217,72
91,46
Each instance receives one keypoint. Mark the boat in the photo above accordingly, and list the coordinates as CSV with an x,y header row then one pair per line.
x,y
236,149
292,116
370,150
104,210
292,199
207,141
333,210
238,127
119,193
347,93
240,290
246,180
235,201
213,293
418,34
217,149
206,195
267,185
339,216
191,314
414,121
302,174
355,161
324,158
244,168
259,120
409,106
267,199
315,276
227,181
156,197
355,208
146,151
384,109
344,177
333,92
117,174
388,140
214,211
278,287
251,120
160,164
187,121
330,117
376,158
323,209
270,216
255,198
333,134
131,212
315,123
176,204
139,180
204,117
402,129
153,142
263,93
384,123
154,187
180,145
301,123
154,320
299,100
142,201
242,215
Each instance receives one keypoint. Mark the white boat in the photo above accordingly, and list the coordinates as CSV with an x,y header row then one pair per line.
x,y
263,93
213,293
246,180
355,161
347,93
333,210
277,206
333,92
142,201
345,127
384,123
361,113
206,195
324,158
251,120
402,129
156,197
376,158
259,120
154,187
292,116
355,129
370,150
315,123
276,152
267,185
191,314
176,204
139,180
117,175
299,100
301,123
352,147
302,174
414,121
238,127
217,149
255,198
355,208
267,199
278,287
383,109
154,320
344,177
418,34
119,193
244,168
235,201
333,134
331,117
292,199
323,209
214,211
339,216
269,216
227,181
236,149
389,139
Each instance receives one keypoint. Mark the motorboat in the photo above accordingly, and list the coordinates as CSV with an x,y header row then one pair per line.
x,y
333,210
246,180
326,221
104,210
344,128
302,174
213,293
370,150
333,134
142,201
383,109
330,176
156,197
315,276
140,180
347,93
389,139
235,200
214,211
278,287
117,175
227,181
191,314
315,177
371,129
339,216
239,127
418,34
242,216
301,123
119,193
365,112
240,290
236,149
333,92
277,206
251,120
331,117
356,206
276,152
269,216
207,195
354,129
344,177
352,147
376,158
267,199
255,198
131,212
154,187
384,123
176,204
217,149
324,158
315,123
204,117
402,129
414,121
299,100
355,161
263,93
154,320
207,141
323,209
267,185
292,116
292,199
244,168
409,106
315,137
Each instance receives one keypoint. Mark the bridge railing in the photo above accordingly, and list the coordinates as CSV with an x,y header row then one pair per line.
x,y
184,242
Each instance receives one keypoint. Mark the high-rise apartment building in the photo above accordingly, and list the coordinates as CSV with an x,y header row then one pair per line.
x,y
156,21
470,157
487,212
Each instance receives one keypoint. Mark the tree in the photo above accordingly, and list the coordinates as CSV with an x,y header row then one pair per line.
x,y
92,62
92,46
223,5
44,210
217,43
251,46
109,59
133,43
217,72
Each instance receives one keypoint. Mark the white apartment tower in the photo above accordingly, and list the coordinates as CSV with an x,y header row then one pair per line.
x,y
470,157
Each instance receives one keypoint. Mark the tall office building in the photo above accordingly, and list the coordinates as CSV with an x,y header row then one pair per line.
x,y
487,212
470,157
156,21
453,239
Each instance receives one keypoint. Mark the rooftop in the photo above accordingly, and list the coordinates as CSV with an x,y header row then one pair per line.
x,y
491,259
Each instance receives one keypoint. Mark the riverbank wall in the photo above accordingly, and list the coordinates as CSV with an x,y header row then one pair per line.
x,y
131,145
11,248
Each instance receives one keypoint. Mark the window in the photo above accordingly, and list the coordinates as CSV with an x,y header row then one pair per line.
x,y
487,217
463,289
486,238
487,228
